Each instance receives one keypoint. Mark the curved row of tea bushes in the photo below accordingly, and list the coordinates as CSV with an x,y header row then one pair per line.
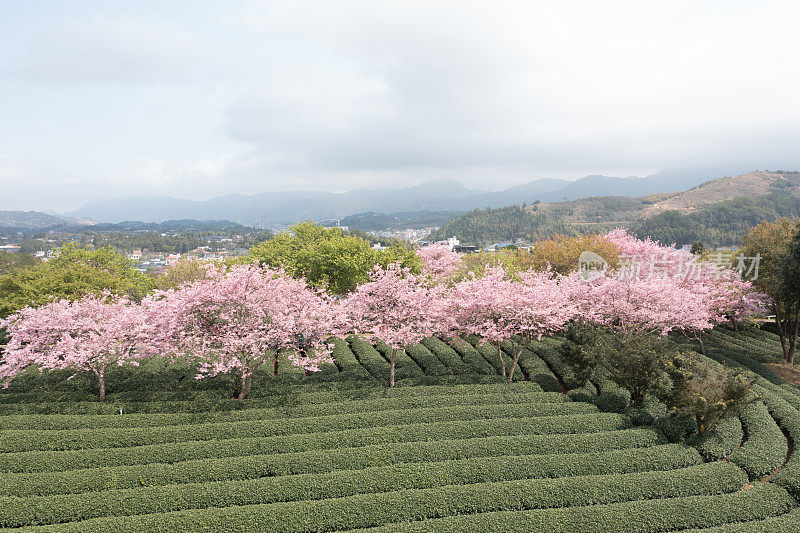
x,y
449,358
470,355
374,362
346,361
30,461
230,510
25,440
611,398
59,422
740,342
646,516
536,369
427,361
402,361
776,524
765,448
447,355
547,350
721,440
489,353
297,396
788,418
255,488
321,461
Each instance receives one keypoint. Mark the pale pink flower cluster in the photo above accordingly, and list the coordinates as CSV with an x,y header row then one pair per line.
x,y
439,262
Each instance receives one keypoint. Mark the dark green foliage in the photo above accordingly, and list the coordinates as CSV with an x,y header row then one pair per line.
x,y
672,497
255,485
580,351
224,466
721,440
705,392
665,514
338,452
636,362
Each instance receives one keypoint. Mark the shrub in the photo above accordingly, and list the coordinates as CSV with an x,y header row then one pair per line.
x,y
721,440
706,392
649,515
636,362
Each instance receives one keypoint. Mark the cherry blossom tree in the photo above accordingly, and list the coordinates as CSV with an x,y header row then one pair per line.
x,y
714,294
89,334
397,307
480,306
498,308
439,262
237,320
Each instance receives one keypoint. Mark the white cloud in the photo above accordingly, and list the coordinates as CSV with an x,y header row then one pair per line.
x,y
108,49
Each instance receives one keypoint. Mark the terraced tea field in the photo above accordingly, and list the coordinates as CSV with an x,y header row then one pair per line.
x,y
452,448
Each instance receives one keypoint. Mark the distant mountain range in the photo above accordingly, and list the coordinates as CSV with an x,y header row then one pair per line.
x,y
718,212
283,208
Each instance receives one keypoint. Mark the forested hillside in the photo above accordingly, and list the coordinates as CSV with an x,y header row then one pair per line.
x,y
486,226
709,213
721,224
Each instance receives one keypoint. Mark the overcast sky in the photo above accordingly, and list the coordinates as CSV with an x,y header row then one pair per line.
x,y
195,99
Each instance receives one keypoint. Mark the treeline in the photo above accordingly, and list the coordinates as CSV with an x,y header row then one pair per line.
x,y
722,224
486,226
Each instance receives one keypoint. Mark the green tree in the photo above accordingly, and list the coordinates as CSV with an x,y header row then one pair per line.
x,y
790,290
636,362
71,273
579,351
705,391
328,257
777,277
10,261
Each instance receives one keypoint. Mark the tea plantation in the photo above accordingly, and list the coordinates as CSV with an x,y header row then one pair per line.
x,y
451,448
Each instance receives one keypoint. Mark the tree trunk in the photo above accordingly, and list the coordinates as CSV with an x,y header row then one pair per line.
x,y
735,325
391,368
502,361
700,340
516,353
783,334
101,380
275,364
247,380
